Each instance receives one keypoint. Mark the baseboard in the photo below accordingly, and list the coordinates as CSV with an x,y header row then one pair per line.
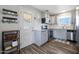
x,y
73,41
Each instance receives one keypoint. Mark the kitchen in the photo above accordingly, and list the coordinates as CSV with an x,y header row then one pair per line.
x,y
40,24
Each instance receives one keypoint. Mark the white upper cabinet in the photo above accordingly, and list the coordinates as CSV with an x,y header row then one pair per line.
x,y
52,20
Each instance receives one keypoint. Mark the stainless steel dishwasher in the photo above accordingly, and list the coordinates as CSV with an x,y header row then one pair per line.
x,y
71,35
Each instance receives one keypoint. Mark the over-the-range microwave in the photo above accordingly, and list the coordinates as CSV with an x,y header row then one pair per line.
x,y
45,20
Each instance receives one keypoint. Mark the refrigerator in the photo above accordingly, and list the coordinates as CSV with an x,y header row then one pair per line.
x,y
77,25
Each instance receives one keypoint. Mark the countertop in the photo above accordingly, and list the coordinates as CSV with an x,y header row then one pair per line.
x,y
40,30
61,27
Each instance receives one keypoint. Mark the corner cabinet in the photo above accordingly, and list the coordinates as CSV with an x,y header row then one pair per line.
x,y
40,37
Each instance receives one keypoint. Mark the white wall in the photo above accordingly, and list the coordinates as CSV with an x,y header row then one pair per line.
x,y
26,33
27,36
6,26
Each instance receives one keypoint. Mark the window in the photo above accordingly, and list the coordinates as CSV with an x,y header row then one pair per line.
x,y
64,19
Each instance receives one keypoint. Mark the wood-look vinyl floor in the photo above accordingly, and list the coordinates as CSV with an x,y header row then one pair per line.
x,y
51,47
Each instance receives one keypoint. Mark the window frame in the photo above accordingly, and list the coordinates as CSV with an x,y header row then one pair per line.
x,y
64,15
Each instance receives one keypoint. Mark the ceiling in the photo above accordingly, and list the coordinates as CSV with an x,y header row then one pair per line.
x,y
55,9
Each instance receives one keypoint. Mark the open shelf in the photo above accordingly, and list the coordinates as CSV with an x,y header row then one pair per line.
x,y
10,41
9,16
9,20
9,12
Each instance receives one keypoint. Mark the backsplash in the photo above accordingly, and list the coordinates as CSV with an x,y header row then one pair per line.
x,y
61,27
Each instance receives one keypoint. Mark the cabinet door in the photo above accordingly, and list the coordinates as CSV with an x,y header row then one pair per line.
x,y
37,37
53,19
59,33
69,35
44,37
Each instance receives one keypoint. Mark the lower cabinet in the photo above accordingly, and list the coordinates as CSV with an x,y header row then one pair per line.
x,y
60,34
40,37
44,37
